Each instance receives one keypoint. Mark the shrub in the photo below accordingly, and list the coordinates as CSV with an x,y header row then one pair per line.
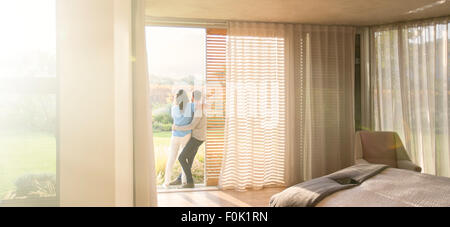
x,y
34,186
158,126
164,118
162,121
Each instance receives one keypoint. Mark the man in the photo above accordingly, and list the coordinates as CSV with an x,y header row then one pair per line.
x,y
198,127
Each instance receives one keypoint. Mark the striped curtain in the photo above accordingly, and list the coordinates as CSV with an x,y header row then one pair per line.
x,y
255,124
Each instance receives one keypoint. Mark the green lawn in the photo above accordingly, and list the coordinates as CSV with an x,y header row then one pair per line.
x,y
25,153
33,153
161,142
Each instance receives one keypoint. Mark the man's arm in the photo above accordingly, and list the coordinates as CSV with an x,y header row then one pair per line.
x,y
190,126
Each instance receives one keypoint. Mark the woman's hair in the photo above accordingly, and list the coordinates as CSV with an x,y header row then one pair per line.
x,y
181,99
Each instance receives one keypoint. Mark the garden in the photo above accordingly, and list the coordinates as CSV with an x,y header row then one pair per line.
x,y
28,147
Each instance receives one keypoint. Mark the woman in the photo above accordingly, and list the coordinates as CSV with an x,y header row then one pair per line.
x,y
182,115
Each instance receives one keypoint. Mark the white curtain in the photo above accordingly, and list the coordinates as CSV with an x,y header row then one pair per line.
x,y
366,98
255,127
324,100
289,106
144,163
410,89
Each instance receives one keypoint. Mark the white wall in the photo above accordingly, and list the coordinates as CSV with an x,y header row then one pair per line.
x,y
95,152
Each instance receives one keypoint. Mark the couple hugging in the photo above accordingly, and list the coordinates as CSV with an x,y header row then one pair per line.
x,y
188,133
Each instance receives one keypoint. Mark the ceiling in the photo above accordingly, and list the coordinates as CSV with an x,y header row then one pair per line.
x,y
344,12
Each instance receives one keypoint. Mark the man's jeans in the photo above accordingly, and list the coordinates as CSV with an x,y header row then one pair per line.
x,y
187,157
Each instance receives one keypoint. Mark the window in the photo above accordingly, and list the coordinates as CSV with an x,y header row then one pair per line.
x,y
28,103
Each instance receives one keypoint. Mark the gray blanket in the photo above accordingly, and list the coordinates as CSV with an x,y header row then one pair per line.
x,y
311,192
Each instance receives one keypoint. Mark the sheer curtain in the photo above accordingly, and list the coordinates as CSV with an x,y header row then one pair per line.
x,y
324,100
289,106
410,89
366,98
144,160
255,106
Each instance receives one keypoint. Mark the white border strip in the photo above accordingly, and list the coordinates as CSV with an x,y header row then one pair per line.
x,y
180,22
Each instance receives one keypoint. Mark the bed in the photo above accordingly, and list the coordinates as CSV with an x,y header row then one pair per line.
x,y
368,185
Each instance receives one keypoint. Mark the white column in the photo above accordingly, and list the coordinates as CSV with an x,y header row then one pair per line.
x,y
124,102
95,131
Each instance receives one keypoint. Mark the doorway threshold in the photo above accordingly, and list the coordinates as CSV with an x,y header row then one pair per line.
x,y
198,187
